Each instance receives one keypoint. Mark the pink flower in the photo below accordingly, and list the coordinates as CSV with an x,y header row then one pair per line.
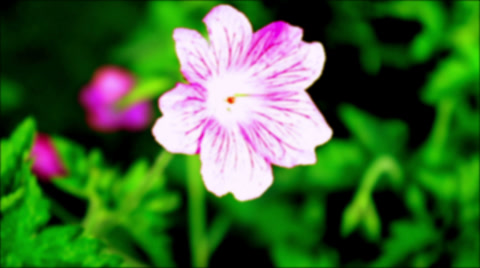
x,y
245,106
46,162
100,100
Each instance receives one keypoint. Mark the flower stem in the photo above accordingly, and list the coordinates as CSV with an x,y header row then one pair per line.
x,y
384,164
197,214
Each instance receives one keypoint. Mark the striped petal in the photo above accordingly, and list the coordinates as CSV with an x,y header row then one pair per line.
x,y
196,60
184,118
230,33
280,60
286,127
230,164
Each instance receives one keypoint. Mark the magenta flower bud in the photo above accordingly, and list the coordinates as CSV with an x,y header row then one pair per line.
x,y
100,99
47,164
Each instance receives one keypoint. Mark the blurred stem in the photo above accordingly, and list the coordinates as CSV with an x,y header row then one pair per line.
x,y
362,208
93,222
197,214
146,90
441,128
381,165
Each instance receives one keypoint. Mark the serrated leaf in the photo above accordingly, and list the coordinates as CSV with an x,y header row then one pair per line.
x,y
22,137
134,177
25,240
14,152
76,163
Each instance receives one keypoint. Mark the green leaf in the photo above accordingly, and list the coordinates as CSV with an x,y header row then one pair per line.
x,y
415,200
449,79
22,137
287,255
26,244
133,178
371,225
26,240
76,163
439,183
14,153
467,247
163,203
56,246
339,165
132,206
361,212
378,136
147,89
429,14
264,228
350,220
407,237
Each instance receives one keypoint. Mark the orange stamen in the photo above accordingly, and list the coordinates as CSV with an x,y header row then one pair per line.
x,y
231,100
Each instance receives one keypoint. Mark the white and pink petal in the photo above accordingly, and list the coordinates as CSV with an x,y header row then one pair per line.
x,y
230,33
279,60
196,60
230,164
183,121
286,128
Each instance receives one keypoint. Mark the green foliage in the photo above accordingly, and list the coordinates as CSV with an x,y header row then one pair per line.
x,y
15,152
352,25
407,238
26,239
131,206
286,255
389,137
334,158
361,212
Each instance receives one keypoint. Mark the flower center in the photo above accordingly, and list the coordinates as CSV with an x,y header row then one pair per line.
x,y
228,98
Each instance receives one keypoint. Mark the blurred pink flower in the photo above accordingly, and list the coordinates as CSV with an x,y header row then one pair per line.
x,y
245,106
100,100
46,161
